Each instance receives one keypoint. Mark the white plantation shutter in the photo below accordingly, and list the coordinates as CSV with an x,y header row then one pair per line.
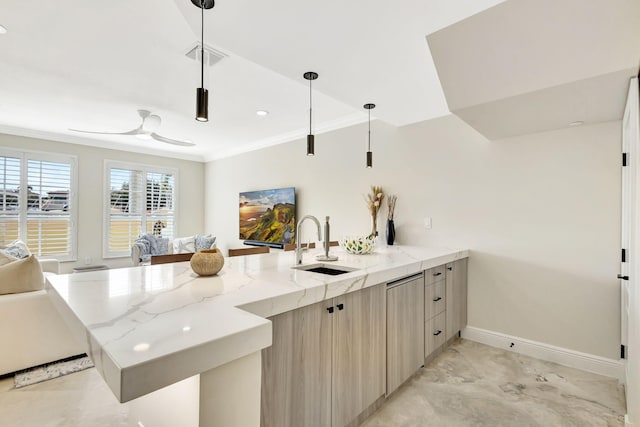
x,y
125,214
9,199
160,201
48,218
38,203
139,197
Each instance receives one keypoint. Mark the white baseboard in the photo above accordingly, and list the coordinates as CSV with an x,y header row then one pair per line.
x,y
562,356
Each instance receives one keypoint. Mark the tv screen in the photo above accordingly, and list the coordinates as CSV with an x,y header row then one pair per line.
x,y
268,215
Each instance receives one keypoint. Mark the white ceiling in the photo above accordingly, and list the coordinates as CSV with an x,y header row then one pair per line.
x,y
91,65
530,66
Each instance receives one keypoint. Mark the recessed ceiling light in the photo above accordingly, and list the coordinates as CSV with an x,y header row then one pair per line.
x,y
3,30
262,112
576,123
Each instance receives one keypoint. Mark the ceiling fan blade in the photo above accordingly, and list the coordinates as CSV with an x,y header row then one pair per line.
x,y
131,132
172,141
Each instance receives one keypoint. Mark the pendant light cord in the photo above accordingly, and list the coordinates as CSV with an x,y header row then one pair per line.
x,y
310,106
202,44
369,130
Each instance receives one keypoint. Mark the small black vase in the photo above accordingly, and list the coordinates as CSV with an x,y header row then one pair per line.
x,y
391,232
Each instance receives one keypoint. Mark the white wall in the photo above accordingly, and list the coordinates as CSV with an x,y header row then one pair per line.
x,y
540,213
190,212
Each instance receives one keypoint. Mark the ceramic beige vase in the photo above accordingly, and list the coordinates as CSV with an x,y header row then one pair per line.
x,y
207,262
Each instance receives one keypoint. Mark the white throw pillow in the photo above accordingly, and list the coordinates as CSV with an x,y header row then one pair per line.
x,y
183,245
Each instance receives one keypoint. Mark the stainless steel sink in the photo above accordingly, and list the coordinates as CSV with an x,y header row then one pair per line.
x,y
332,270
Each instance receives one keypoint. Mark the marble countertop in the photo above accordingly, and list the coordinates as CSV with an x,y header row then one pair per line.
x,y
150,326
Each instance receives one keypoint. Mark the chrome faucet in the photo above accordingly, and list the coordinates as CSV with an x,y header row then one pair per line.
x,y
300,249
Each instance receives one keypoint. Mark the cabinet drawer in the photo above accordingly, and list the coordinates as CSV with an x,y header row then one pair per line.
x,y
434,330
435,274
435,299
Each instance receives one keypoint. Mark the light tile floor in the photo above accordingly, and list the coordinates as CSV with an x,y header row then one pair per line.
x,y
80,399
468,385
471,384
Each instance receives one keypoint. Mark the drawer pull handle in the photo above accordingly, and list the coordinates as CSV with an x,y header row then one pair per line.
x,y
437,274
340,306
330,310
437,333
437,299
449,268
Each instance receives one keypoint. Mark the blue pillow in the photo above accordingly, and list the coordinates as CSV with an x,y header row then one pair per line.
x,y
153,245
17,249
205,242
162,245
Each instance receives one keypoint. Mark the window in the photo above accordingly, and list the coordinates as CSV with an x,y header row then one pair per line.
x,y
139,199
38,203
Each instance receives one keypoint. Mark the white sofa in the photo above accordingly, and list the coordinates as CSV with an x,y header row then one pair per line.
x,y
31,330
178,245
135,254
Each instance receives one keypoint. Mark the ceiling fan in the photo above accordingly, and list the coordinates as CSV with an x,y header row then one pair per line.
x,y
146,130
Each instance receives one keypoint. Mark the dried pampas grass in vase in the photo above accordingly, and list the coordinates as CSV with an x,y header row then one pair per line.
x,y
374,202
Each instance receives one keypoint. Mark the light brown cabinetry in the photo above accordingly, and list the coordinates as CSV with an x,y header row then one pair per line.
x,y
358,353
327,361
435,274
331,361
405,329
456,283
436,302
435,299
434,329
296,369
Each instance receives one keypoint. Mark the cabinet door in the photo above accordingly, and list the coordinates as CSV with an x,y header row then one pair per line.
x,y
358,353
405,331
296,369
456,283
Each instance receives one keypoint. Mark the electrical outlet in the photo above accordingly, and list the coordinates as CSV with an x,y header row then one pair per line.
x,y
427,222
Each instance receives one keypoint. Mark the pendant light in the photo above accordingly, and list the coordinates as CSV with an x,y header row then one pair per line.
x,y
369,152
310,75
202,94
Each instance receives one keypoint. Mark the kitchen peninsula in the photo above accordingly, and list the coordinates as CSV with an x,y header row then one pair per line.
x,y
149,327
